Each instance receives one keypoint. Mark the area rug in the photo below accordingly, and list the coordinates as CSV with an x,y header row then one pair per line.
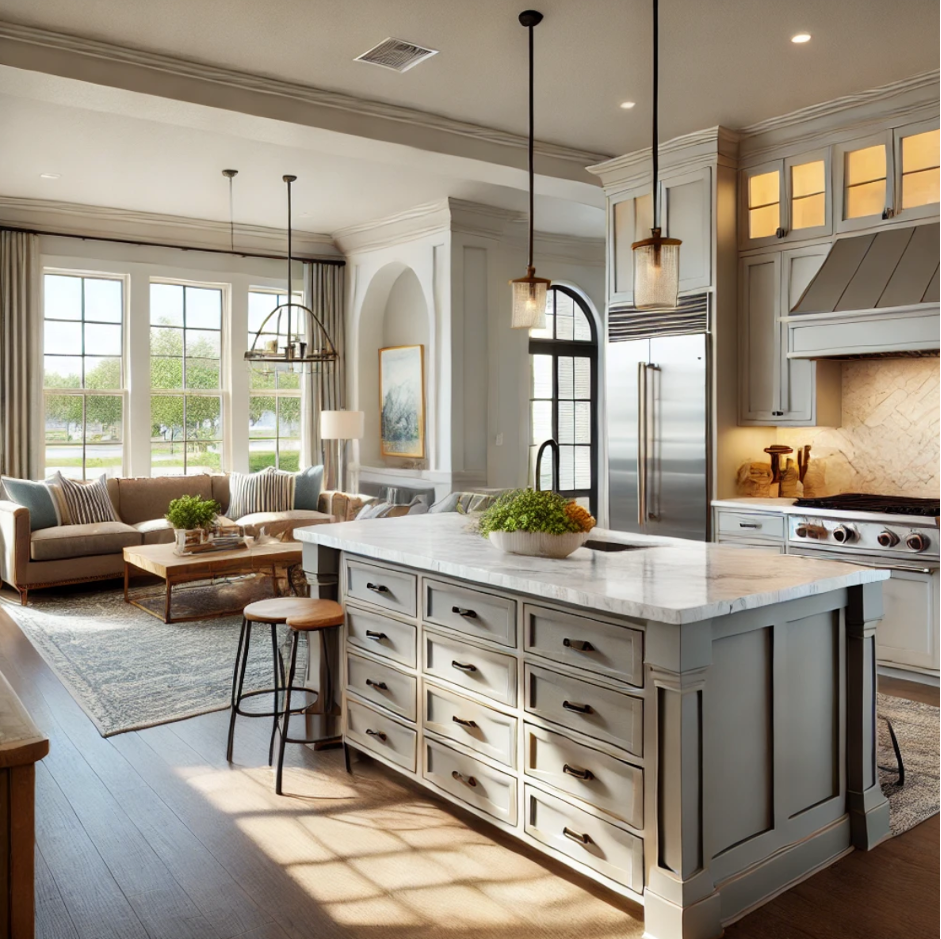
x,y
916,727
129,670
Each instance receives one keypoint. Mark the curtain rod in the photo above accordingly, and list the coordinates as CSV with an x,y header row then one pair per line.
x,y
339,262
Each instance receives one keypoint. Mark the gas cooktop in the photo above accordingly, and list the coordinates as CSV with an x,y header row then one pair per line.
x,y
866,502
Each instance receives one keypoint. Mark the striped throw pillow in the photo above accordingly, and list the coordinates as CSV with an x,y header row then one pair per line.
x,y
87,503
270,490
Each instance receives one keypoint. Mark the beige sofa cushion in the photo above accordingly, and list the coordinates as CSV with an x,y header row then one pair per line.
x,y
79,541
276,523
148,497
155,531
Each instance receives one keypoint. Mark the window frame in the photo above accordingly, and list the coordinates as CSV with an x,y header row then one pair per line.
x,y
580,348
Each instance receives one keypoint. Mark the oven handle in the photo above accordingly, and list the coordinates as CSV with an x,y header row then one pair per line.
x,y
834,556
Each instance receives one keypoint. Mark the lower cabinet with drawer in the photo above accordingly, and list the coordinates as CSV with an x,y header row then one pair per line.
x,y
471,781
381,735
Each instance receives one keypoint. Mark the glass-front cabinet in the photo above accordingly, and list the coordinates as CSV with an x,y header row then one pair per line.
x,y
916,150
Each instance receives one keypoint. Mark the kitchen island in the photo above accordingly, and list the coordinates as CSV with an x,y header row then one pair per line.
x,y
688,724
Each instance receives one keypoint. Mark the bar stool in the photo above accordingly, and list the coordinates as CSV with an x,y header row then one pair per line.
x,y
271,613
321,616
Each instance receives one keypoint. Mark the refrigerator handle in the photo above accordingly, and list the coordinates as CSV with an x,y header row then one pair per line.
x,y
651,430
641,444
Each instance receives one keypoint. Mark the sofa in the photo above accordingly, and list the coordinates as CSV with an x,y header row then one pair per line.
x,y
68,554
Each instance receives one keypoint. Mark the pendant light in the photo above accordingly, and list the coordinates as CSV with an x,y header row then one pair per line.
x,y
297,350
656,259
529,292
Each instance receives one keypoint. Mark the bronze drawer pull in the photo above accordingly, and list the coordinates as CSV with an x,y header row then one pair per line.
x,y
748,525
578,708
463,721
463,667
460,777
380,685
379,588
376,733
372,634
579,645
462,611
582,839
585,774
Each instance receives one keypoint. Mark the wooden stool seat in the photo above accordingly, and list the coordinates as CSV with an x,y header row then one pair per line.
x,y
279,609
327,614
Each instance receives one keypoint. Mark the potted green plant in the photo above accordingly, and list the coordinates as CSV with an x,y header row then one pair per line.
x,y
191,518
538,524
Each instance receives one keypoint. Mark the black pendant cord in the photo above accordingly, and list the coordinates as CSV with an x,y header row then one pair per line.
x,y
656,113
289,180
231,218
532,131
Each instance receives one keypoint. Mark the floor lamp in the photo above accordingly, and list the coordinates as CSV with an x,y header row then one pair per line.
x,y
342,426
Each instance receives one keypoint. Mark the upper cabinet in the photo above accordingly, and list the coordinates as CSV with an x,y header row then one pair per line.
x,y
915,148
786,200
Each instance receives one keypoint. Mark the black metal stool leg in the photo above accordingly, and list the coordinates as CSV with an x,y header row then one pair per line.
x,y
898,751
346,758
238,678
287,711
278,671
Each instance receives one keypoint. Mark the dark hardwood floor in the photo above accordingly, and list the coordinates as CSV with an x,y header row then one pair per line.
x,y
153,835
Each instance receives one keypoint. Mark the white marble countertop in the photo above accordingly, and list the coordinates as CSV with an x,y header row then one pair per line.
x,y
787,507
665,579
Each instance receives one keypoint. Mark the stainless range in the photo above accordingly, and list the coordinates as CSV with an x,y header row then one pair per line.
x,y
890,532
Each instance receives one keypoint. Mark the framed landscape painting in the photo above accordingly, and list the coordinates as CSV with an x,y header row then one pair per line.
x,y
402,401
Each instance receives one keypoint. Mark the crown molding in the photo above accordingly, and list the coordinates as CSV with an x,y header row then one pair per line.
x,y
56,42
429,218
92,221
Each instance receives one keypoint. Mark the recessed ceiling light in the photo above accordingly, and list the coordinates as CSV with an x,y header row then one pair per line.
x,y
627,105
801,37
49,175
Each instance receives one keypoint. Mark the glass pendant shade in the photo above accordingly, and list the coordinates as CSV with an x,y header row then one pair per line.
x,y
529,301
656,272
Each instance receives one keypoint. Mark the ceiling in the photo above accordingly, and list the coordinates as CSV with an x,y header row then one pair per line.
x,y
726,62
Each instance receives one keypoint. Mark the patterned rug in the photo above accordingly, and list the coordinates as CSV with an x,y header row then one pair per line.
x,y
129,670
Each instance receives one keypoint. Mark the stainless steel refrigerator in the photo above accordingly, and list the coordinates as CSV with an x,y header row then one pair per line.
x,y
658,421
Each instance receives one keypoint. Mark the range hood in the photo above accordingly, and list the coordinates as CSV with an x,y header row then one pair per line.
x,y
875,294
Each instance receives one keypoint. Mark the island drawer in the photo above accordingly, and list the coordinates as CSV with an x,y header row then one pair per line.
x,y
615,651
597,778
590,709
475,725
383,636
382,685
471,781
396,591
478,614
487,672
380,734
597,844
750,524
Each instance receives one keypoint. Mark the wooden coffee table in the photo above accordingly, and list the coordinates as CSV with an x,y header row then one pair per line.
x,y
161,561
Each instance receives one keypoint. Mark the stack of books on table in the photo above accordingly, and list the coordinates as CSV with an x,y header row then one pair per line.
x,y
219,543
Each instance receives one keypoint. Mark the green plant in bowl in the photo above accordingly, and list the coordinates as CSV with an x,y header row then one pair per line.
x,y
192,512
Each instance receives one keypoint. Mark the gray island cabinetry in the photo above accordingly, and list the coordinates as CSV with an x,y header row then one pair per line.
x,y
690,725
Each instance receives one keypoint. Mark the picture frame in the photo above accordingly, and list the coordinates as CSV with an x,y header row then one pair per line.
x,y
402,401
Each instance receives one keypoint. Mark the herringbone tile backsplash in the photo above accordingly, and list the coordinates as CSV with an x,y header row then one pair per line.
x,y
888,443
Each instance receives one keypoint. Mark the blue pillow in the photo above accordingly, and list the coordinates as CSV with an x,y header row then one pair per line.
x,y
37,497
307,486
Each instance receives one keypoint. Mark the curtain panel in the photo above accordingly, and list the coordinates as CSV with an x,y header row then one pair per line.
x,y
19,337
325,294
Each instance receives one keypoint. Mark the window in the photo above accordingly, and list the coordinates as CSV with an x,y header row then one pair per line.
x,y
563,396
808,195
865,175
83,374
764,204
185,379
921,177
274,413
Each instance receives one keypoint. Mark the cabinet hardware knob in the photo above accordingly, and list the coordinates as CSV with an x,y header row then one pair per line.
x,y
461,611
780,233
380,685
463,667
460,777
777,413
372,634
376,733
748,525
582,839
585,774
378,588
579,645
578,708
888,212
463,721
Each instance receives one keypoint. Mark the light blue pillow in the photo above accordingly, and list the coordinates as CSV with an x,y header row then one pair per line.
x,y
307,486
37,497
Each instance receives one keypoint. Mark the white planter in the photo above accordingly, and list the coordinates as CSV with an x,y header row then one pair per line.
x,y
186,538
538,545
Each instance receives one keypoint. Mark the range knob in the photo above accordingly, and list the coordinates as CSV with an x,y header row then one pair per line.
x,y
810,531
845,534
916,542
801,531
888,539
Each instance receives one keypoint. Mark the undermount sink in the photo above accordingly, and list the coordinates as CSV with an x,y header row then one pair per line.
x,y
612,546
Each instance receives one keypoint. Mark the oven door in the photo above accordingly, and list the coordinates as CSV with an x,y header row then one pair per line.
x,y
907,637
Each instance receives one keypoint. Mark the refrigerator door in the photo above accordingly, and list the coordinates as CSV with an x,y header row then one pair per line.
x,y
623,367
677,419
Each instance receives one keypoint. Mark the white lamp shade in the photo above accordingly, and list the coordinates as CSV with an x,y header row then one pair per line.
x,y
342,425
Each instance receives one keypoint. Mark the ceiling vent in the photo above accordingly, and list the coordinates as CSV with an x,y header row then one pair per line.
x,y
396,54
